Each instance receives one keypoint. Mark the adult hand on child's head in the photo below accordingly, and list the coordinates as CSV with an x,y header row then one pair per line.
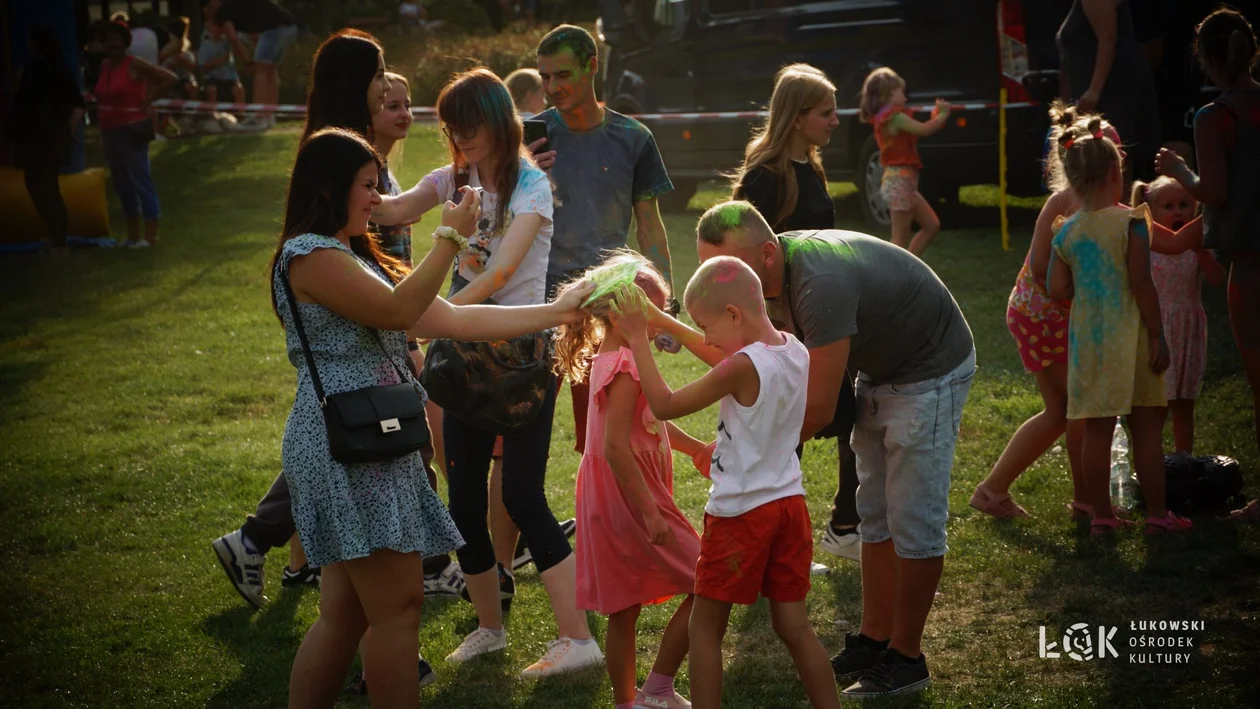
x,y
704,459
463,217
1158,350
569,303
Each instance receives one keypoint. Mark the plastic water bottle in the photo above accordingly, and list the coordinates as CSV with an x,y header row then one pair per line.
x,y
1121,479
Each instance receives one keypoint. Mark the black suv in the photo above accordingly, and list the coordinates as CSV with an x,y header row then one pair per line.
x,y
669,56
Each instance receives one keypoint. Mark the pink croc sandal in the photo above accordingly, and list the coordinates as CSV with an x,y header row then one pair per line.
x,y
1168,524
1100,526
1000,506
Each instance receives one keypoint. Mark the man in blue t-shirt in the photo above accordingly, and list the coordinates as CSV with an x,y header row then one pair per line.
x,y
606,168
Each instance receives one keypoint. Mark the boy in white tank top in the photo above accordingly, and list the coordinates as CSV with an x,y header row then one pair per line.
x,y
758,539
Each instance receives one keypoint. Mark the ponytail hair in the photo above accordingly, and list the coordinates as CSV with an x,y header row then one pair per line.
x,y
1084,156
1225,41
1140,193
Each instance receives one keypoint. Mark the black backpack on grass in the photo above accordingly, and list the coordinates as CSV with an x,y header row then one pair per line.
x,y
1196,484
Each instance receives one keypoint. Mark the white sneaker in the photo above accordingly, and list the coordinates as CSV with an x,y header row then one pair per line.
x,y
818,570
845,546
243,566
478,642
141,244
563,656
449,582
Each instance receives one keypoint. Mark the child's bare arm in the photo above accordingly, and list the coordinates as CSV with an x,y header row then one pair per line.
x,y
1059,283
729,377
1143,287
623,395
1167,241
682,441
903,122
1057,205
686,336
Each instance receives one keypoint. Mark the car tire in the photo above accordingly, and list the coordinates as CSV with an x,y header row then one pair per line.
x,y
868,175
676,200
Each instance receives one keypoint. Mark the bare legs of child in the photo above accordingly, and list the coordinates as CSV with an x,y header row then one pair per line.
x,y
1146,424
619,653
1029,443
383,592
1182,411
709,619
902,222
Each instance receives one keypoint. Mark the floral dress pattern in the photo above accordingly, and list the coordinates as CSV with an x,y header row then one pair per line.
x,y
1185,322
343,511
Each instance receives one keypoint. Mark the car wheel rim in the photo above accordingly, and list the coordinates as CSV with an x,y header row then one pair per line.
x,y
875,201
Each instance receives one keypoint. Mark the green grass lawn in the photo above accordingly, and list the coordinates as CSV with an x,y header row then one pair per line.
x,y
142,400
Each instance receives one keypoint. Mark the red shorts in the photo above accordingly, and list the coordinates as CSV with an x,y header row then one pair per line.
x,y
1041,342
581,400
767,550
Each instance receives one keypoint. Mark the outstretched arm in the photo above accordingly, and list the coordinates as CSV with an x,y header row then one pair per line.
x,y
903,122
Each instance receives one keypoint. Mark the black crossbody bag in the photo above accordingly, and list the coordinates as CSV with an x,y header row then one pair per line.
x,y
371,424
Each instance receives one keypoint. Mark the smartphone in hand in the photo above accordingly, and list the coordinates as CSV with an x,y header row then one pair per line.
x,y
534,130
459,195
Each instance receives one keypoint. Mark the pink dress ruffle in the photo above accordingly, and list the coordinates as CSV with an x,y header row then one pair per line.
x,y
617,567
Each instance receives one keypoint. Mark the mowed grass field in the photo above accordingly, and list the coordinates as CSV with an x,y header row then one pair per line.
x,y
142,400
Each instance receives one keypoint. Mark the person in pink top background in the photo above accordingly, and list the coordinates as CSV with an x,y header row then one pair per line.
x,y
634,546
126,86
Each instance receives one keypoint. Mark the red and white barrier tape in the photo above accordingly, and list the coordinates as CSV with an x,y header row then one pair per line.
x,y
426,113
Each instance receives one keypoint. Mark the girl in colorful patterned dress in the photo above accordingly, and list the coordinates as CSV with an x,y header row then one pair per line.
x,y
1116,347
897,134
1177,279
634,546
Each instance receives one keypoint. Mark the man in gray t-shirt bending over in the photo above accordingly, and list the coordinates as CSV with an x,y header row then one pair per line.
x,y
859,302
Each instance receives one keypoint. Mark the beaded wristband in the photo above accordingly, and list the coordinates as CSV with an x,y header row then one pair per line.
x,y
446,232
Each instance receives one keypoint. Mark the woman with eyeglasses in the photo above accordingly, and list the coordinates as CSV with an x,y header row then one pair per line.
x,y
505,262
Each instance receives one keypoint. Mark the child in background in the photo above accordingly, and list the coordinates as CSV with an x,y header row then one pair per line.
x,y
634,546
218,66
757,534
1116,348
897,133
526,88
1227,143
1181,303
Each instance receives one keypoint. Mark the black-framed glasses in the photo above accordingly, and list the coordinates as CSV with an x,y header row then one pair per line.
x,y
466,135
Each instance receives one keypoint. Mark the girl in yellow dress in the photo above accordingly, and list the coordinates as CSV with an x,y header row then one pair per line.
x,y
1116,348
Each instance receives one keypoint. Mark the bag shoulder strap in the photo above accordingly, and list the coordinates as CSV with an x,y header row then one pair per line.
x,y
306,345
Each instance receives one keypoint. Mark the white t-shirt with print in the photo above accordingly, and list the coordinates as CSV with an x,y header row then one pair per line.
x,y
532,195
755,460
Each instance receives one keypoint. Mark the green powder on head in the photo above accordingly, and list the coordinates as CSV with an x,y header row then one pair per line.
x,y
731,214
610,278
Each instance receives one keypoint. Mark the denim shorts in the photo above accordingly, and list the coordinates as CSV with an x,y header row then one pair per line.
x,y
904,441
273,42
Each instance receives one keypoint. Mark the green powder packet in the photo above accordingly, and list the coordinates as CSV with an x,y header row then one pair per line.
x,y
608,279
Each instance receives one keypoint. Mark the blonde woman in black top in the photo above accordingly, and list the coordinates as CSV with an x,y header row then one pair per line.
x,y
783,178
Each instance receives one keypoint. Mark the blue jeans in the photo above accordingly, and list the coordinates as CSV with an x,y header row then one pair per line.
x,y
273,42
130,171
904,440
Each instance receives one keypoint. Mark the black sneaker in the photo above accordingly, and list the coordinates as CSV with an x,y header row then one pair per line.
x,y
892,674
358,685
507,589
305,576
523,555
857,657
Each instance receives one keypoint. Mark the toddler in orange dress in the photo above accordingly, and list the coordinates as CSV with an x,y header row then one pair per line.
x,y
634,546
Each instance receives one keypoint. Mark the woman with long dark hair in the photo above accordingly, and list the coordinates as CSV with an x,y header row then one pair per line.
x,y
366,525
505,262
349,64
126,86
47,112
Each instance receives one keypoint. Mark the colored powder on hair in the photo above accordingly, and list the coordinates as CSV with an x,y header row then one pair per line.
x,y
609,279
731,215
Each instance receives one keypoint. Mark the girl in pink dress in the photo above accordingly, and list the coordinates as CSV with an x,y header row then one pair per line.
x,y
1177,278
634,546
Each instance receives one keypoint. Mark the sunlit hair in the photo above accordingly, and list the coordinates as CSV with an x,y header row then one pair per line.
x,y
877,91
573,38
522,83
345,64
1142,191
798,88
1085,157
477,101
1063,117
576,343
722,281
721,219
319,194
1224,39
394,158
